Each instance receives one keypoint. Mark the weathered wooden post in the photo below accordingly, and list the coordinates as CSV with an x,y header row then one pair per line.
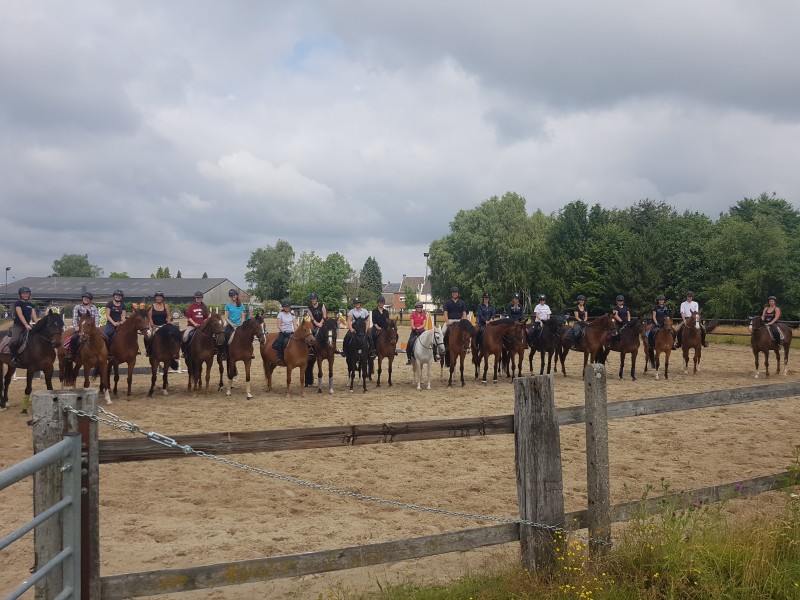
x,y
597,470
540,488
50,422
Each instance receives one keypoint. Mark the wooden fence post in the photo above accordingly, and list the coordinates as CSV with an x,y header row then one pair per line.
x,y
597,470
540,488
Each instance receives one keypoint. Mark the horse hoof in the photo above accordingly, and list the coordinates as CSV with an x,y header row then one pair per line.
x,y
330,391
228,393
249,396
165,392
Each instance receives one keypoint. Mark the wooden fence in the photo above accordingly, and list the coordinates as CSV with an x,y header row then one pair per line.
x,y
535,424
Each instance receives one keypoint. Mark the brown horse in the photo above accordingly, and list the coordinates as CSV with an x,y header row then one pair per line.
x,y
626,342
325,349
663,341
240,348
165,349
547,342
201,350
38,355
514,351
591,343
295,355
691,339
93,354
386,347
761,340
497,333
124,346
458,342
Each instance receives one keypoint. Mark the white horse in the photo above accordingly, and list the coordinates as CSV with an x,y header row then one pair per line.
x,y
423,353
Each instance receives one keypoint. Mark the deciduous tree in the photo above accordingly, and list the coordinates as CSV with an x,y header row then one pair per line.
x,y
75,265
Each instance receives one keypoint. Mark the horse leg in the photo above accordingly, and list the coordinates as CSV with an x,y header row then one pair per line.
x,y
549,361
461,358
698,354
26,399
633,364
165,379
766,363
786,358
230,374
3,390
115,366
153,375
48,377
541,362
390,360
380,370
621,364
330,373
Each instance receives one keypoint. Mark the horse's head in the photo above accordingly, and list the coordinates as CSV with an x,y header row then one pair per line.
x,y
259,329
326,336
215,327
438,339
305,332
360,325
86,326
50,327
667,322
755,323
140,321
694,320
391,331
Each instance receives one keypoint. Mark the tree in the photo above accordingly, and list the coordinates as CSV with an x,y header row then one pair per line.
x,y
410,298
205,275
115,275
305,274
178,274
371,280
333,276
161,273
270,271
75,265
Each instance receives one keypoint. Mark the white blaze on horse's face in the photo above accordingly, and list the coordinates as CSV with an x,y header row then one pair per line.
x,y
331,343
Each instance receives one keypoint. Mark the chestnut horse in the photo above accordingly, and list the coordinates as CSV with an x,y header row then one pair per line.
x,y
93,354
295,355
124,346
165,350
459,341
663,341
325,349
591,343
761,340
497,333
38,355
240,348
626,342
386,347
203,347
691,339
547,342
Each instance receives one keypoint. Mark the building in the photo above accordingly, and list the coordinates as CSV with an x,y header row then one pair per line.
x,y
396,298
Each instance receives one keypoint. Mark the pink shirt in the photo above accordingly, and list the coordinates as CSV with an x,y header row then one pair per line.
x,y
418,320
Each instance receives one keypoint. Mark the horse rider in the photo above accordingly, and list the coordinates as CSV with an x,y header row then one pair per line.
x,y
483,314
158,315
357,312
660,310
380,320
115,314
235,314
287,324
418,319
770,316
542,313
24,317
317,312
621,314
85,307
578,329
514,308
196,315
689,306
455,309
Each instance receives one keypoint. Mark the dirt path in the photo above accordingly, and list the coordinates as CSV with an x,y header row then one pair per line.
x,y
188,512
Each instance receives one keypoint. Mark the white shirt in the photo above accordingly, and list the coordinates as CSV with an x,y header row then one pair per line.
x,y
542,312
687,308
286,321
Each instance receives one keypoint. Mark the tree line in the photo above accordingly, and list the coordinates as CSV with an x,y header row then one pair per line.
x,y
78,265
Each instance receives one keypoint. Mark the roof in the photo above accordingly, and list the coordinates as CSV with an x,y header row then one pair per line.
x,y
391,288
134,287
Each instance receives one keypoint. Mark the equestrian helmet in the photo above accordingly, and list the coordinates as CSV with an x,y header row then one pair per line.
x,y
542,297
620,297
772,298
285,303
24,290
313,296
232,292
198,294
581,297
690,293
454,290
486,295
87,295
515,296
158,293
381,299
356,300
118,293
661,297
419,304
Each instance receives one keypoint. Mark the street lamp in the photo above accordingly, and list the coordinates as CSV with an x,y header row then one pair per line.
x,y
426,255
5,295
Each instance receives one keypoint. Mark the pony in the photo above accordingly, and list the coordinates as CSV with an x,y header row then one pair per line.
x,y
124,347
357,352
761,340
547,342
38,355
325,349
240,348
591,343
498,333
165,349
93,354
385,347
201,350
691,339
627,342
296,354
459,342
514,352
663,341
423,353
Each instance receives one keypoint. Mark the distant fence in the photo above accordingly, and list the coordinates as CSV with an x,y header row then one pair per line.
x,y
535,424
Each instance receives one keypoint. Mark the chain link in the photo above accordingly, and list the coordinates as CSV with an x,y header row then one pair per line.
x,y
119,423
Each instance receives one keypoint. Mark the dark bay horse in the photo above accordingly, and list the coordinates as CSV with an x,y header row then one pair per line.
x,y
124,347
459,342
761,340
627,342
325,349
202,349
296,355
164,350
514,351
386,347
497,333
38,355
357,352
93,354
591,343
691,338
240,348
663,341
547,342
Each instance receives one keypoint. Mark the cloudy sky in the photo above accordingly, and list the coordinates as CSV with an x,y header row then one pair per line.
x,y
188,134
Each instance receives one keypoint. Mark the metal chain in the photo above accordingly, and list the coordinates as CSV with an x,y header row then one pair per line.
x,y
119,423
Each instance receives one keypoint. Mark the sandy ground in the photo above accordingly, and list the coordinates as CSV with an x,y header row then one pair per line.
x,y
190,512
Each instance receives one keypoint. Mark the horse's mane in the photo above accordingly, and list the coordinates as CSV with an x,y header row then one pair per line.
x,y
501,321
465,325
169,331
359,324
44,322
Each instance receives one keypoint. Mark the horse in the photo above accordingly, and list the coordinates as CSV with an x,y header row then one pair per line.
x,y
423,353
124,347
459,342
165,349
296,354
691,338
93,354
627,342
37,355
761,340
547,342
357,353
201,350
385,347
591,343
325,349
497,334
240,348
663,341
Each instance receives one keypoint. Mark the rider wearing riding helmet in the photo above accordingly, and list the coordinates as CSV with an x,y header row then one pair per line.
x,y
115,313
357,312
286,323
621,314
660,310
418,320
317,312
196,315
483,314
542,312
581,316
380,320
689,306
770,316
514,308
158,315
83,308
24,316
455,309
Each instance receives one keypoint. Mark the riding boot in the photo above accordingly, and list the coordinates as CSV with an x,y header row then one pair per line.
x,y
703,338
677,344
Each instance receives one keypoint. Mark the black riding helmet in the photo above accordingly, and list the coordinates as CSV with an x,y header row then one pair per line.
x,y
419,304
87,295
620,297
24,290
285,303
118,293
581,297
232,292
313,296
660,297
486,294
772,298
356,300
198,294
454,290
381,299
158,293
542,297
